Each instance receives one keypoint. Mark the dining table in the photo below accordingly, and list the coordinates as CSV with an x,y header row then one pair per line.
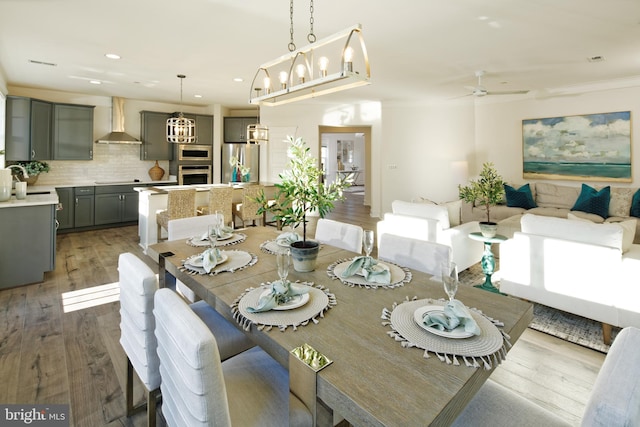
x,y
376,377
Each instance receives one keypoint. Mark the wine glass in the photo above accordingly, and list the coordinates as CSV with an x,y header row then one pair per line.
x,y
367,242
283,259
450,279
212,234
219,220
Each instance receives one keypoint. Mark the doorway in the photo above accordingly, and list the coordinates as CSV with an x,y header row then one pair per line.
x,y
347,149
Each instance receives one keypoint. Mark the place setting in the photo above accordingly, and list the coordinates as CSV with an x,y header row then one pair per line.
x,y
282,303
282,242
225,236
368,272
448,328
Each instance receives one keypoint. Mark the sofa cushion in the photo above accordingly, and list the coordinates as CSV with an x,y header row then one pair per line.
x,y
620,204
454,207
520,198
593,201
610,235
556,212
635,205
586,216
555,196
422,210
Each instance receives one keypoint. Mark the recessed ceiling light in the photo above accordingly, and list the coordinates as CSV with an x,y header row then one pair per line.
x,y
197,96
112,55
95,82
238,79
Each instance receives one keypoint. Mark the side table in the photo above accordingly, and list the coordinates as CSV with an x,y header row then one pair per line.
x,y
488,261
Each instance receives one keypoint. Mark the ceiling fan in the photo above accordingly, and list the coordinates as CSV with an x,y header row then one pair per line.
x,y
480,91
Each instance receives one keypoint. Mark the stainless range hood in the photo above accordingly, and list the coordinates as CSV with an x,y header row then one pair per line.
x,y
117,135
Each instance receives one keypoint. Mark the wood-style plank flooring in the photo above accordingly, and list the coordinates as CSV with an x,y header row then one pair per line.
x,y
59,338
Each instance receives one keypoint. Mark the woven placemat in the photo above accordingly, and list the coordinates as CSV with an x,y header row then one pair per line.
x,y
399,275
237,260
487,349
272,247
235,238
320,300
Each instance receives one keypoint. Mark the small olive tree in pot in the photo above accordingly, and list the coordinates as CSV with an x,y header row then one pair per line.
x,y
299,193
487,191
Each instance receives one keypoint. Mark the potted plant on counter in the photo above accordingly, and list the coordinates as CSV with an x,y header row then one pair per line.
x,y
487,191
299,193
33,168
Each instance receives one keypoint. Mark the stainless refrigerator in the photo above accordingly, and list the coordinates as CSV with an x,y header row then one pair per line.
x,y
247,155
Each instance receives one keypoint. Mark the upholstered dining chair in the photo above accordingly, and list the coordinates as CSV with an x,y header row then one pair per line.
x,y
421,255
247,209
180,204
614,399
138,284
339,234
199,389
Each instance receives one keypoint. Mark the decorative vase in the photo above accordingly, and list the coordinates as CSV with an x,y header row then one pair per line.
x,y
488,229
304,255
156,172
31,180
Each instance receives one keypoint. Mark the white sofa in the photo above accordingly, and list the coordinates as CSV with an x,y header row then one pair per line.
x,y
425,221
576,266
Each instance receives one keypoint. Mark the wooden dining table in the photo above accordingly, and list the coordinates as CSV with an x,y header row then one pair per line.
x,y
373,380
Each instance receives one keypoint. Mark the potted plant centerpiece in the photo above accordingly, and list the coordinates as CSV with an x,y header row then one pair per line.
x,y
299,193
33,168
487,191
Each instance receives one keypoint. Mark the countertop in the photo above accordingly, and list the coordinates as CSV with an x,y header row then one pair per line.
x,y
113,182
42,196
199,187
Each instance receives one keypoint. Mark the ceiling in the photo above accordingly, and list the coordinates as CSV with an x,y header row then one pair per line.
x,y
419,50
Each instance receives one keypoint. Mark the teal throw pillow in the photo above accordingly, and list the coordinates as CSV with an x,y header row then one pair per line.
x,y
592,201
520,198
635,205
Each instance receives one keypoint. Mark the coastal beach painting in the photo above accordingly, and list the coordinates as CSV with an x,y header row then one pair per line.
x,y
590,147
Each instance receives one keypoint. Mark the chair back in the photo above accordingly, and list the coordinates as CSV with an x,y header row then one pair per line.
x,y
221,199
340,234
421,255
249,208
188,227
193,387
138,283
181,203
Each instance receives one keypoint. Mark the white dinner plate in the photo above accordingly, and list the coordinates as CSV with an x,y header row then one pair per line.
x,y
295,302
196,260
284,243
225,236
457,333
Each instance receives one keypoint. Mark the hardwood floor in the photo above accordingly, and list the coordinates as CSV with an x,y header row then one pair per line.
x,y
59,339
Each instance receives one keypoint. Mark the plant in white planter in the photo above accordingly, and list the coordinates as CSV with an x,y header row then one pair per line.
x,y
301,192
487,191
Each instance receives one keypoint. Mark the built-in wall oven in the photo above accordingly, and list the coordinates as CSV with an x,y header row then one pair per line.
x,y
192,164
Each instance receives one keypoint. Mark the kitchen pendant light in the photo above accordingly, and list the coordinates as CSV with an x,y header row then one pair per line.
x,y
257,133
181,130
340,65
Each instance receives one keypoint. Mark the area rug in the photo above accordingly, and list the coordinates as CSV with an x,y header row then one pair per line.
x,y
560,324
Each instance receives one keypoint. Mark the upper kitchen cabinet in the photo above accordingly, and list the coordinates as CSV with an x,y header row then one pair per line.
x,y
235,128
204,127
153,133
73,132
28,129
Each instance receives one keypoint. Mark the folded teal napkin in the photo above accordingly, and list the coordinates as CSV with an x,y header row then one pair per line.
x,y
288,238
370,269
210,258
280,294
221,232
454,314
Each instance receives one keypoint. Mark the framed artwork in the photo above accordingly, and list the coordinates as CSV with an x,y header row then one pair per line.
x,y
589,147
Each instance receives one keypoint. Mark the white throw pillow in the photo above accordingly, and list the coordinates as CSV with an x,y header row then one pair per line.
x,y
422,210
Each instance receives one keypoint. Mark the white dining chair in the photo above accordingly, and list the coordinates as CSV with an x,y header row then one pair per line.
x,y
199,389
138,284
339,234
422,255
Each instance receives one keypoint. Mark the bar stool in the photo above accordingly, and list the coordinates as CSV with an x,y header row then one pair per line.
x,y
180,204
221,199
247,209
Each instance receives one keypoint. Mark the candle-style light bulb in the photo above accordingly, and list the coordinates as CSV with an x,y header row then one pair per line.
x,y
300,70
267,85
323,62
283,79
348,59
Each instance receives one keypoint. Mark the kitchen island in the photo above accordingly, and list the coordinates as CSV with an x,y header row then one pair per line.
x,y
28,230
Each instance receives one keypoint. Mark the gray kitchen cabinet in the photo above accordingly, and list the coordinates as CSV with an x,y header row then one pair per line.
x,y
73,132
235,128
153,133
28,129
83,212
64,215
204,127
115,204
